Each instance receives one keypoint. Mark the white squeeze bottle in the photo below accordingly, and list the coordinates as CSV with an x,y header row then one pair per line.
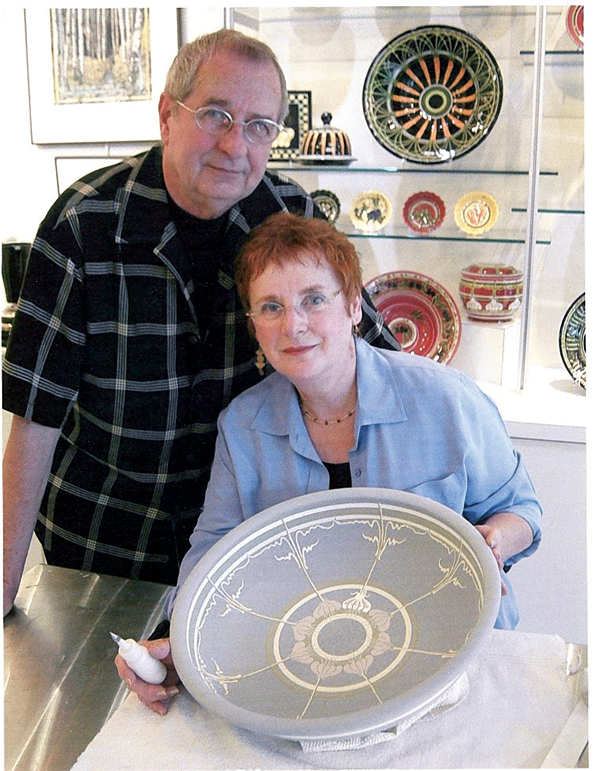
x,y
139,659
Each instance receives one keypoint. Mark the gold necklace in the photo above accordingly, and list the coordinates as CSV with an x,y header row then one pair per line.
x,y
304,411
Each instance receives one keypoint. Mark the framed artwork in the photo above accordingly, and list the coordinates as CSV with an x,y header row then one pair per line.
x,y
298,122
96,74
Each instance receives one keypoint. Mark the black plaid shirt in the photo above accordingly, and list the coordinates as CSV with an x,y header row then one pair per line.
x,y
107,342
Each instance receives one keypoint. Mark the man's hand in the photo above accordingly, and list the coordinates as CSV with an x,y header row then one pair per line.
x,y
156,697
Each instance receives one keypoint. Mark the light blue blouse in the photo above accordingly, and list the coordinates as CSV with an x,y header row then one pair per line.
x,y
420,426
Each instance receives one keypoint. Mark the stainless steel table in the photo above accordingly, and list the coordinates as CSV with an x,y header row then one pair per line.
x,y
60,682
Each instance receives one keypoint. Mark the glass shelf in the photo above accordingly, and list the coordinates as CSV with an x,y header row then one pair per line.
x,y
520,209
291,166
554,53
463,239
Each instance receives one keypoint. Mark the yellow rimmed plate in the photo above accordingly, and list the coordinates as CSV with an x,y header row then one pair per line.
x,y
475,213
370,211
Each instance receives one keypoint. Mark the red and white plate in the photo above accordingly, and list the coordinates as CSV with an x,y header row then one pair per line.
x,y
424,212
575,24
421,314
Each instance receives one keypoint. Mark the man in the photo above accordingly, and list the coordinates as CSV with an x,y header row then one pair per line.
x,y
130,339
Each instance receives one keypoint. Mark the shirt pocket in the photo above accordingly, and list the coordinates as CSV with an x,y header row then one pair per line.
x,y
450,490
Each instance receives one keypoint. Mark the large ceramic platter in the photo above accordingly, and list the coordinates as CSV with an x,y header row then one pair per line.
x,y
572,340
432,94
421,314
335,614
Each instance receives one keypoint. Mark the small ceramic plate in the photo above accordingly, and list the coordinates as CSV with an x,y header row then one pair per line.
x,y
336,614
572,341
575,24
370,211
424,212
328,203
475,213
421,314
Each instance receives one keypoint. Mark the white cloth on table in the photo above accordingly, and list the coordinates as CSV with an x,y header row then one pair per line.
x,y
519,698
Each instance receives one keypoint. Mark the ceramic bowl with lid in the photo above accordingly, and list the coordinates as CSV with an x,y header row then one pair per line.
x,y
491,292
326,144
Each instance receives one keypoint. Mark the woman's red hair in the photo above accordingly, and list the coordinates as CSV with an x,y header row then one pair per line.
x,y
285,237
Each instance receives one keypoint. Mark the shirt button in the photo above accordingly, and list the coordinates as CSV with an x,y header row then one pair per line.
x,y
358,472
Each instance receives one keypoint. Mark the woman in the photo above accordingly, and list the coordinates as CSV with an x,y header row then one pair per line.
x,y
338,413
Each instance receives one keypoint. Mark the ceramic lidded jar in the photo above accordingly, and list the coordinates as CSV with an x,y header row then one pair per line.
x,y
491,292
326,142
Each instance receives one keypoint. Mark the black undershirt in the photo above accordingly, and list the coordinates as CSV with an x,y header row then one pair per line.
x,y
339,475
203,240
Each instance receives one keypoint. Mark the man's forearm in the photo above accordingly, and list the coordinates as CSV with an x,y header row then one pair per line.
x,y
27,462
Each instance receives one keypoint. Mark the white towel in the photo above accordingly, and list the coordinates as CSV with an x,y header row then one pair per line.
x,y
519,699
450,698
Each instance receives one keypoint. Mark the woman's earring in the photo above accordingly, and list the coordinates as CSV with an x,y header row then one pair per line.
x,y
260,362
356,330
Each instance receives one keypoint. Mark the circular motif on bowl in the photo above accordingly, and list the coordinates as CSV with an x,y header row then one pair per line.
x,y
424,212
491,292
476,213
432,94
420,313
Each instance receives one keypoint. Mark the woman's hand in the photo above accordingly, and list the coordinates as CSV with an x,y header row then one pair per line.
x,y
490,536
156,697
506,534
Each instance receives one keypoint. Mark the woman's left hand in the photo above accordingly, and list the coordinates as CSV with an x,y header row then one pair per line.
x,y
506,534
491,537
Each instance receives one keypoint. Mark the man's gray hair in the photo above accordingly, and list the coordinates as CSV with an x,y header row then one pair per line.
x,y
181,76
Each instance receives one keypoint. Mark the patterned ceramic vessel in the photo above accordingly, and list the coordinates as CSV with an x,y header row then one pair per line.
x,y
432,94
299,623
491,292
326,144
575,24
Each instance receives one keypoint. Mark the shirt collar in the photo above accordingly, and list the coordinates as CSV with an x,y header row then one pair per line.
x,y
379,400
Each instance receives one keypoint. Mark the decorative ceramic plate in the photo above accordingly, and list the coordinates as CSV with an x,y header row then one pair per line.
x,y
335,614
572,341
475,213
370,211
432,94
328,203
575,24
421,314
424,212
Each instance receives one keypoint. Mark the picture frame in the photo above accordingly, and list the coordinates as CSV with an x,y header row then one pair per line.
x,y
298,122
114,120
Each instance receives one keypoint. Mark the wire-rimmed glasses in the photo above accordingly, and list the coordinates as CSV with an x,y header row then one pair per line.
x,y
271,312
218,122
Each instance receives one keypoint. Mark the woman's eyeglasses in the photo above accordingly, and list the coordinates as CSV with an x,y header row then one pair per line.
x,y
271,311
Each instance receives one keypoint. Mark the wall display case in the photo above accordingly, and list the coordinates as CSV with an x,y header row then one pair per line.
x,y
528,164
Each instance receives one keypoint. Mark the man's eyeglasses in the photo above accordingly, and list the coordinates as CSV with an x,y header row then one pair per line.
x,y
213,120
271,311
